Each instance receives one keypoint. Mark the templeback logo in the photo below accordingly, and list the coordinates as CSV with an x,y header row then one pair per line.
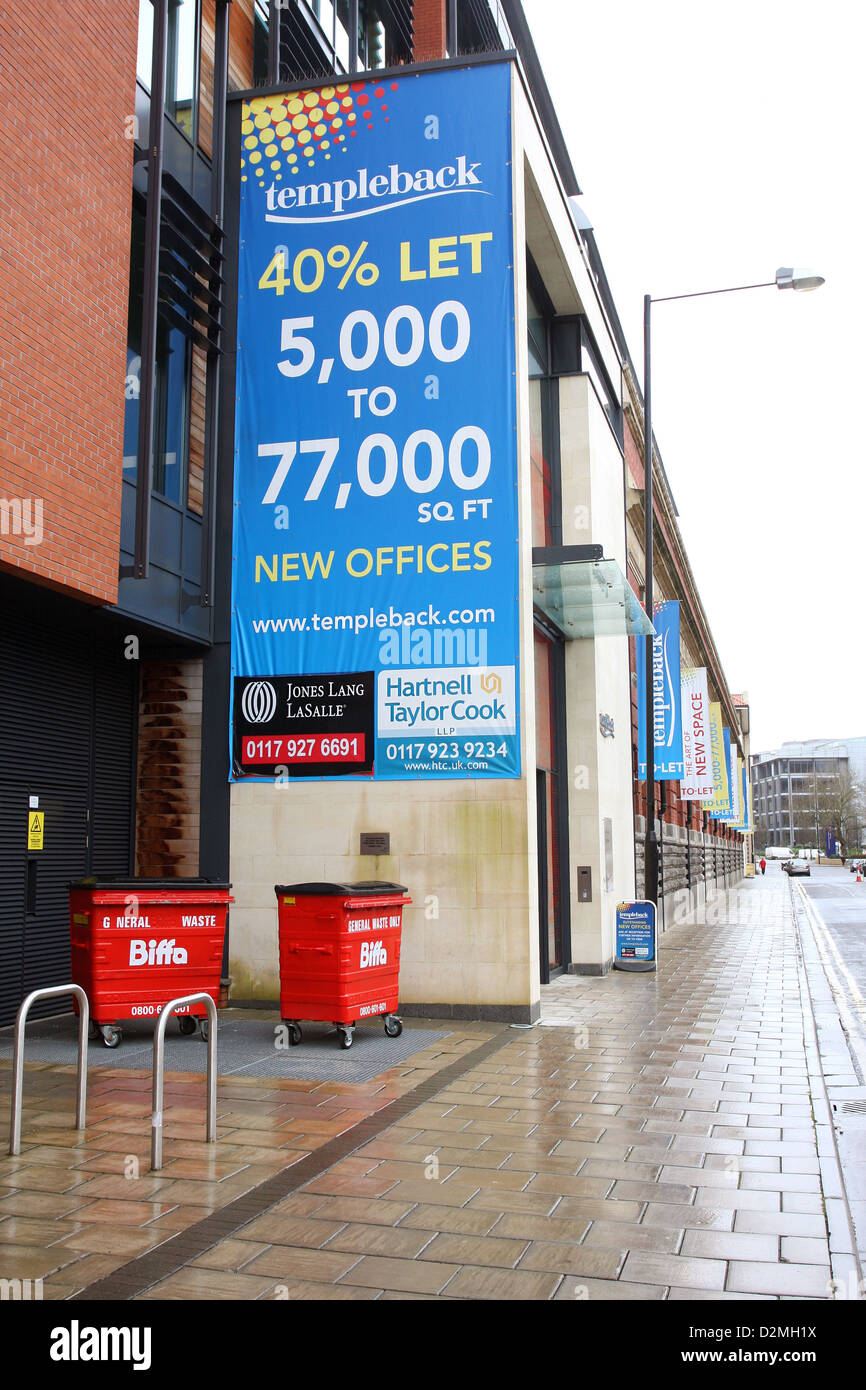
x,y
397,186
662,685
296,132
373,953
259,702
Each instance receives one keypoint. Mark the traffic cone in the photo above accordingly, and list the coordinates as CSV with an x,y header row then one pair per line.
x,y
858,879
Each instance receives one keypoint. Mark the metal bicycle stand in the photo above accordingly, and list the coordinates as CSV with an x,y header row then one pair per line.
x,y
18,1057
159,1069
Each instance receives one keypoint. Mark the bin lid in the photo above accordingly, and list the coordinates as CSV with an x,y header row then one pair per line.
x,y
132,885
370,888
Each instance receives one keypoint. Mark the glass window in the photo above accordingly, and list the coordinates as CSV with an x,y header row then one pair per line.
x,y
372,37
130,417
539,426
341,35
260,51
181,58
333,20
587,362
537,338
180,63
542,499
548,791
171,413
591,364
171,391
144,59
133,342
324,12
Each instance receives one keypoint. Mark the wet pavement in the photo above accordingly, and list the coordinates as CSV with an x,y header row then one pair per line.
x,y
662,1136
250,1042
832,904
836,902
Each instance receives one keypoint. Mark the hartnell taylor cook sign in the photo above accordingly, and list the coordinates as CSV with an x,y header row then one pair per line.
x,y
375,558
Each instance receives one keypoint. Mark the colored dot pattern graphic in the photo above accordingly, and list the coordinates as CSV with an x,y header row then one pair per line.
x,y
282,135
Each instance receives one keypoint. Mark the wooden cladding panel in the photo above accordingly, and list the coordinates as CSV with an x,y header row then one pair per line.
x,y
241,40
169,770
198,398
206,80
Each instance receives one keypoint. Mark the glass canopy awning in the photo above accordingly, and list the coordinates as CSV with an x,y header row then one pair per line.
x,y
583,595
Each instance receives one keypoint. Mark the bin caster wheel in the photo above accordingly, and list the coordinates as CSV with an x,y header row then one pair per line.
x,y
393,1026
111,1036
347,1037
92,1031
203,1025
295,1034
187,1025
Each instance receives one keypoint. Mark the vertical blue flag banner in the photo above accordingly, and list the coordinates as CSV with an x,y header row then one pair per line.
x,y
667,695
375,556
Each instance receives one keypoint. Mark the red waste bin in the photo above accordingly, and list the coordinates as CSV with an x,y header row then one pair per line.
x,y
340,954
138,943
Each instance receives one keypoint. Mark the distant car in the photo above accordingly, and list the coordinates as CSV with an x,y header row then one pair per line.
x,y
857,867
797,867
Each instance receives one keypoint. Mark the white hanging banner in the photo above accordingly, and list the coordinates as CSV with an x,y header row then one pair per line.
x,y
736,789
697,782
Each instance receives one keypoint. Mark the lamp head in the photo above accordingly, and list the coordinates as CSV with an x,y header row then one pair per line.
x,y
791,278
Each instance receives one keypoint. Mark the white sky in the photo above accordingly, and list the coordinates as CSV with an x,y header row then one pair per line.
x,y
713,144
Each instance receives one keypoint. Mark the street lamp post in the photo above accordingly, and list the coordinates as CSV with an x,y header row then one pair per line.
x,y
651,844
787,278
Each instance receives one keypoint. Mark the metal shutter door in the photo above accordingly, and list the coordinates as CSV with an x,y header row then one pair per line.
x,y
68,703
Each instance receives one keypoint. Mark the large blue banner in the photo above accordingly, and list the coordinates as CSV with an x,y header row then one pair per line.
x,y
667,695
375,562
746,805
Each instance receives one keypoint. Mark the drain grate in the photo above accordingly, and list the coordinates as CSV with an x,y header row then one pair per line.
x,y
853,1107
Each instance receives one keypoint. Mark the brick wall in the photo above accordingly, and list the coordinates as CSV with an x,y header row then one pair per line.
x,y
429,20
65,198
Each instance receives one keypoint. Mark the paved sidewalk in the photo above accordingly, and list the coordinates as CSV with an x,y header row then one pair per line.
x,y
840,1025
660,1136
77,1207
